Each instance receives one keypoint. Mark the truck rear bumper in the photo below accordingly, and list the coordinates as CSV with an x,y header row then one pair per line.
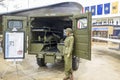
x,y
50,57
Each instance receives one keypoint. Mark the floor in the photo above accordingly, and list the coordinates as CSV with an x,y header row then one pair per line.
x,y
105,65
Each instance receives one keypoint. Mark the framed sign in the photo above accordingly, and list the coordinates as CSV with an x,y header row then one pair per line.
x,y
14,45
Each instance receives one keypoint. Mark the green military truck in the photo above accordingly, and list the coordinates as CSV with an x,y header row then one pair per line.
x,y
46,32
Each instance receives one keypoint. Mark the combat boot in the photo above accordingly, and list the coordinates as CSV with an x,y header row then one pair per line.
x,y
71,76
66,78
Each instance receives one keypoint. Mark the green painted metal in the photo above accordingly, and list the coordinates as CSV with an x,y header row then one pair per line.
x,y
49,58
82,46
35,48
60,47
21,18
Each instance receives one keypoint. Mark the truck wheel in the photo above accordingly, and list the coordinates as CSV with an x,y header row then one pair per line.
x,y
75,63
41,62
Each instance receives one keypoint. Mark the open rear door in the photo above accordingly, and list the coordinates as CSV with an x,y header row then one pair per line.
x,y
15,24
82,33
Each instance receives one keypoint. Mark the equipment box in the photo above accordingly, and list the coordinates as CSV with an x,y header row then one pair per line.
x,y
49,58
35,48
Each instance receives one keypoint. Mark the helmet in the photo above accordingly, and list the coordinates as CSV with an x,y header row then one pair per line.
x,y
69,30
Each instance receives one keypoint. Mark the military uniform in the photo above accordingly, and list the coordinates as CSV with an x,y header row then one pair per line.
x,y
69,41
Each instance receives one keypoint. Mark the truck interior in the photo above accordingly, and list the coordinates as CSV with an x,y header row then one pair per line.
x,y
49,31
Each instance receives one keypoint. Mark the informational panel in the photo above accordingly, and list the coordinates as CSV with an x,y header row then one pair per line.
x,y
14,45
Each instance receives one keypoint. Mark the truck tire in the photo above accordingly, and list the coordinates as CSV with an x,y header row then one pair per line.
x,y
41,62
75,63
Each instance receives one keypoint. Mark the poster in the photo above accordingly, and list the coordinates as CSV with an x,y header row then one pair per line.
x,y
115,7
86,9
93,10
14,45
107,8
100,9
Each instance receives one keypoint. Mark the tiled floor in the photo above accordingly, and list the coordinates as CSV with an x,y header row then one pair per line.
x,y
105,65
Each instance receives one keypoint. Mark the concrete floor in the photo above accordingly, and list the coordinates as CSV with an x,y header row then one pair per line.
x,y
105,65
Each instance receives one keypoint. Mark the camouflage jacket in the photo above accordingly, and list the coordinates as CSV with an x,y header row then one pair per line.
x,y
69,41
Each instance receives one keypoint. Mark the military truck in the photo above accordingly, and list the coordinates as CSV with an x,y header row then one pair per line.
x,y
46,32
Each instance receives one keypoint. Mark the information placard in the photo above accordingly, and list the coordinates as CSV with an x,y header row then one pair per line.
x,y
14,45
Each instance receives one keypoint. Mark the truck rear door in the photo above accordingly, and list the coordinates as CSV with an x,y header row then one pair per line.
x,y
15,24
82,33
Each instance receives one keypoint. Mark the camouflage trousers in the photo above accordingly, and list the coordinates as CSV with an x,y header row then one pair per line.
x,y
68,65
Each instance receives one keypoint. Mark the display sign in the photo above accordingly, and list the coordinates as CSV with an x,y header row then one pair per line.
x,y
104,9
100,9
107,8
93,10
86,9
14,45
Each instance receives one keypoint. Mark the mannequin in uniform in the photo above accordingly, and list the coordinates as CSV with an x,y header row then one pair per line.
x,y
69,41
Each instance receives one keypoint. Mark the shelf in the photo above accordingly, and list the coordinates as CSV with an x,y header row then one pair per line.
x,y
38,30
45,43
42,30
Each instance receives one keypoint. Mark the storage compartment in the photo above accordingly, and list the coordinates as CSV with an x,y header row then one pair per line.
x,y
48,31
35,48
49,58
